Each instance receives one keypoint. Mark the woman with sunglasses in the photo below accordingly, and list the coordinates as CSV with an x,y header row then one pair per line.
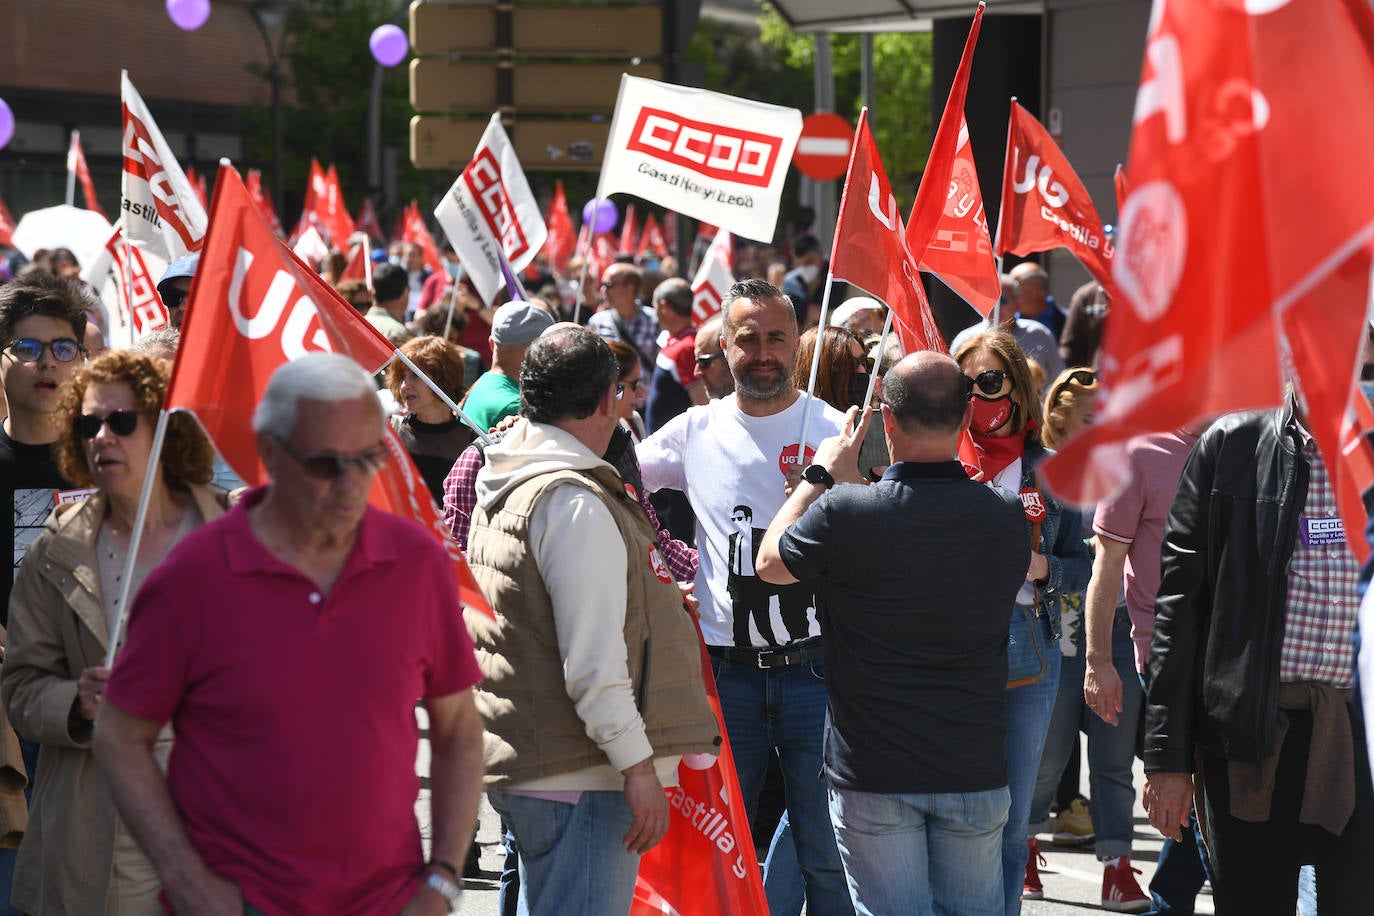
x,y
1006,432
76,856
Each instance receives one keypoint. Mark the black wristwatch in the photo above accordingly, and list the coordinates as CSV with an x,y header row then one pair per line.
x,y
816,474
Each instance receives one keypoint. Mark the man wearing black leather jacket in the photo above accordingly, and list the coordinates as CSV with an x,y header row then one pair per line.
x,y
1251,665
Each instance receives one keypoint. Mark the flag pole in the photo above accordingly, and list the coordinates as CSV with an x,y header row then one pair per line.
x,y
452,302
458,411
877,360
367,261
136,538
71,169
582,280
1001,218
126,313
815,367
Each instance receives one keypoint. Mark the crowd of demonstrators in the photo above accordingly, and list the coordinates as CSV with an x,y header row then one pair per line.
x,y
76,855
641,470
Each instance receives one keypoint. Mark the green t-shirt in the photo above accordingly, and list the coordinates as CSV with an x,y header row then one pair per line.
x,y
491,399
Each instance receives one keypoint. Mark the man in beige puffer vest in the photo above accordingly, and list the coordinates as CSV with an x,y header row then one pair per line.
x,y
584,729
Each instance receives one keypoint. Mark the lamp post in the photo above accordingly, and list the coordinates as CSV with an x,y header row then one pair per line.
x,y
271,16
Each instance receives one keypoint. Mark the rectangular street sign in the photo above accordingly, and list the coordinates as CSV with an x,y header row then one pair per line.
x,y
609,31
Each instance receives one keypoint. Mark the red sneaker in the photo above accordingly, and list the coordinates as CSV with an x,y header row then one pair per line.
x,y
1033,889
1120,892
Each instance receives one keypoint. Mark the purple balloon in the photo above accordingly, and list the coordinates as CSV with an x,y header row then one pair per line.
x,y
605,218
188,14
389,45
6,123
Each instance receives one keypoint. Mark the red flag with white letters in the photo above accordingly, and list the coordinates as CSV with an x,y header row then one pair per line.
x,y
947,232
561,242
706,864
1244,244
870,247
335,213
254,306
415,231
1044,205
651,240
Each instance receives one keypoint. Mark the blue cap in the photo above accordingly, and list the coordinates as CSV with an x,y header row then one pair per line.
x,y
181,267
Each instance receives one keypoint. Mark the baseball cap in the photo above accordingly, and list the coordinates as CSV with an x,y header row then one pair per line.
x,y
178,269
517,323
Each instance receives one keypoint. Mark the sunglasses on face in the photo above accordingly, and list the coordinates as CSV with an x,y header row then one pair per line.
x,y
704,362
1085,378
989,381
121,422
332,466
28,350
174,298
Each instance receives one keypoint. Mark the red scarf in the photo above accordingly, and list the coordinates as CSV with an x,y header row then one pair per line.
x,y
996,453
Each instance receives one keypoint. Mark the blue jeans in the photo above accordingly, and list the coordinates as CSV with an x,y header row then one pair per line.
x,y
921,854
1111,748
572,857
1028,720
782,711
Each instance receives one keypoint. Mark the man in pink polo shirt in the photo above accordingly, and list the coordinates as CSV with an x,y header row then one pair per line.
x,y
287,643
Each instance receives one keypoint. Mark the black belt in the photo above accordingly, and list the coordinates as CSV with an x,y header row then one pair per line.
x,y
808,650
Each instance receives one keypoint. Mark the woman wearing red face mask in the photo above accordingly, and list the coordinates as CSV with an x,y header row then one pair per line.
x,y
1007,436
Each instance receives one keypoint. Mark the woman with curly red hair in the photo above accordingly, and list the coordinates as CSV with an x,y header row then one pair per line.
x,y
76,856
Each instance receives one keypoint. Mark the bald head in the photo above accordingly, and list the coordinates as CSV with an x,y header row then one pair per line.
x,y
1034,288
927,394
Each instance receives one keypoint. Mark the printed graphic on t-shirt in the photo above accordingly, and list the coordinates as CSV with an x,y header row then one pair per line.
x,y
31,509
779,614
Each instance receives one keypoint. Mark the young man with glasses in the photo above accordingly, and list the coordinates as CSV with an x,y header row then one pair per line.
x,y
42,321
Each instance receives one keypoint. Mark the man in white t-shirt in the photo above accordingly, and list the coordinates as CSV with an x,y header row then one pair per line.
x,y
731,457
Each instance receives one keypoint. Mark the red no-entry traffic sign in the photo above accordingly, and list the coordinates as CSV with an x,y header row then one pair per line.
x,y
823,149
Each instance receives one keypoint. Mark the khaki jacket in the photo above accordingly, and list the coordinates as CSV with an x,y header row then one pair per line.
x,y
57,630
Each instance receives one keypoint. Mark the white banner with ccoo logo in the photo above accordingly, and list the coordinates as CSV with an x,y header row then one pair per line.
x,y
714,157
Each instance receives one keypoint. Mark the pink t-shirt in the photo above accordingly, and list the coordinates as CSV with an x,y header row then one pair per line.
x,y
1135,515
294,711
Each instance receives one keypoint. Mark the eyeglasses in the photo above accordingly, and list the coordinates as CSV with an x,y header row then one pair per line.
x,y
989,381
121,422
174,298
361,305
332,466
704,362
28,350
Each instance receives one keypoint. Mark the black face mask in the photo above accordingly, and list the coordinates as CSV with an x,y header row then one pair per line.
x,y
858,389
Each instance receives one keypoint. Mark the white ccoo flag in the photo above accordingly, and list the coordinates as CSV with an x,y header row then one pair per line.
x,y
714,157
162,214
714,278
490,204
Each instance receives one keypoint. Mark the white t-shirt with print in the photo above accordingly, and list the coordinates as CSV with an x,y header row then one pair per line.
x,y
732,467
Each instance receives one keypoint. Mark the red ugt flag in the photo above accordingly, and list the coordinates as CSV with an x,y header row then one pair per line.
x,y
1044,205
1244,244
254,306
629,231
414,230
264,203
705,865
947,232
651,240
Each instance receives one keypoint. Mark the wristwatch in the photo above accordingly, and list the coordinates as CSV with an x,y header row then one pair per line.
x,y
816,474
446,889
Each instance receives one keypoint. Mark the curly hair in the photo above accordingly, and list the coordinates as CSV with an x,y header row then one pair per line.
x,y
187,456
1023,392
1068,390
838,365
436,358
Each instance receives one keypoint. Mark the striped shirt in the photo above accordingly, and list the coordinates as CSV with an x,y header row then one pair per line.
x,y
1323,598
